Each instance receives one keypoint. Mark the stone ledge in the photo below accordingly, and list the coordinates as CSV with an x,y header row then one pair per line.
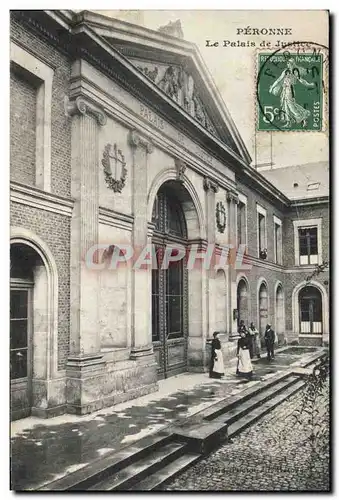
x,y
113,400
54,411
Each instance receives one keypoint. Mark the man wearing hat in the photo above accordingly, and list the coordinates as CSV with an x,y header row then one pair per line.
x,y
269,341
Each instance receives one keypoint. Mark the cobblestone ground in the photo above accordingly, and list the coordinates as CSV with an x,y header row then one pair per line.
x,y
275,454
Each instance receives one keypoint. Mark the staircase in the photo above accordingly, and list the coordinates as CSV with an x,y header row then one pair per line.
x,y
152,461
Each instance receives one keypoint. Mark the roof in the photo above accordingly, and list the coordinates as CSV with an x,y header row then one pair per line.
x,y
310,180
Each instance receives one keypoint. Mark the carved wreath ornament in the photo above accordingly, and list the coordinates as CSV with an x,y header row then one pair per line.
x,y
112,160
221,216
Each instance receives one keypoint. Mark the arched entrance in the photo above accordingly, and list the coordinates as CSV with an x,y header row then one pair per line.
x,y
33,322
242,301
279,313
169,286
263,308
220,302
28,322
310,311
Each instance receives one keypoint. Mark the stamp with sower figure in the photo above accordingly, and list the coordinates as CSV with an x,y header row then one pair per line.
x,y
290,90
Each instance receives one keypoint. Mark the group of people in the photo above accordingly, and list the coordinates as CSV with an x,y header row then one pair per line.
x,y
249,345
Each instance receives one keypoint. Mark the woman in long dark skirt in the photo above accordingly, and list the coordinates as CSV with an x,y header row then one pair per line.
x,y
217,362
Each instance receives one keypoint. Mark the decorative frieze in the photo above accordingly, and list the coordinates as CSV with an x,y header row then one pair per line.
x,y
181,87
81,106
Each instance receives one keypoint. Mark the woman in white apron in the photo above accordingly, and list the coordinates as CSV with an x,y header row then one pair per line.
x,y
244,365
217,361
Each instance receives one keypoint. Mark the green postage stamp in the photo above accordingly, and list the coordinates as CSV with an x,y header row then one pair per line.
x,y
290,91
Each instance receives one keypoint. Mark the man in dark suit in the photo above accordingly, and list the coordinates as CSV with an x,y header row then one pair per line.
x,y
269,341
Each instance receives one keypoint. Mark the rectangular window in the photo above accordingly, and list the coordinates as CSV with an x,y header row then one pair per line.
x,y
241,223
262,232
308,245
277,240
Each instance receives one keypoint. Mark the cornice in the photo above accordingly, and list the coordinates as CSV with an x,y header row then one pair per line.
x,y
41,200
301,202
110,217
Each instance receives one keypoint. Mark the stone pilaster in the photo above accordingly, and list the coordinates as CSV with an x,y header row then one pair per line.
x,y
85,365
211,188
232,201
141,342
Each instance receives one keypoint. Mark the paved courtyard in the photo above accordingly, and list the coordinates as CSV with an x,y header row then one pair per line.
x,y
44,450
275,454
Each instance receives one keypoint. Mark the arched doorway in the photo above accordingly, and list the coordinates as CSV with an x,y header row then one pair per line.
x,y
310,311
169,286
28,311
263,308
220,302
279,313
242,301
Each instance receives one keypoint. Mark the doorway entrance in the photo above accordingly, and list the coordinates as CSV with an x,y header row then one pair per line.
x,y
169,286
242,301
23,260
263,309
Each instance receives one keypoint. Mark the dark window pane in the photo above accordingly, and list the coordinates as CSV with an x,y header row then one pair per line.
x,y
317,310
303,242
18,304
261,224
305,315
173,219
174,317
155,317
18,364
174,279
18,332
313,245
155,304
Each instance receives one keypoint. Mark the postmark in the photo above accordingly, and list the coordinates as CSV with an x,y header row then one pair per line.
x,y
291,88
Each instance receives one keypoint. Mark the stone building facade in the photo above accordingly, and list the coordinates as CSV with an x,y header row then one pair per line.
x,y
120,142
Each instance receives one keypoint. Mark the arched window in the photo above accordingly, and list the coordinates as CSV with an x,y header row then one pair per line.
x,y
279,311
242,301
263,307
310,310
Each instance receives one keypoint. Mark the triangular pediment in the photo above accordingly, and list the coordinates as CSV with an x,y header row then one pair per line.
x,y
177,69
180,86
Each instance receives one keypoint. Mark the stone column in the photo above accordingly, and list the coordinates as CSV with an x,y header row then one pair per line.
x,y
85,365
232,201
141,341
211,188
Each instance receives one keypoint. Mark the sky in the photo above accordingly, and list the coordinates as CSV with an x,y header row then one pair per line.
x,y
234,69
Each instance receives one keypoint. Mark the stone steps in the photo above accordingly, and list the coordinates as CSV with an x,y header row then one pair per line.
x,y
102,468
255,414
152,461
158,478
137,471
